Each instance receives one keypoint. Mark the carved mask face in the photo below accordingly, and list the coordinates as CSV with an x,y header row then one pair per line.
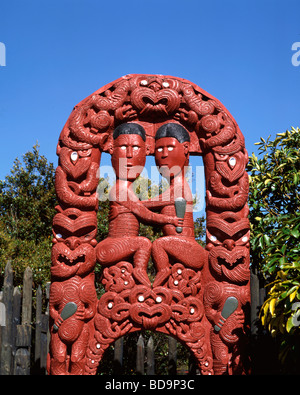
x,y
128,156
228,243
74,227
171,156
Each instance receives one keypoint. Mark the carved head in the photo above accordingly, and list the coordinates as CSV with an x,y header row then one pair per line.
x,y
128,153
172,143
228,246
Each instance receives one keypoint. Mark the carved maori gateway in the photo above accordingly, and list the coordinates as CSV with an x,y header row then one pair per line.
x,y
200,296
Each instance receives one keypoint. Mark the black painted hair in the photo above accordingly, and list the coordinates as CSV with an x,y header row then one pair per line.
x,y
129,128
173,130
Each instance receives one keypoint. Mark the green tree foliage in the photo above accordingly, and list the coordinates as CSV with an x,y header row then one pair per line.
x,y
27,201
275,225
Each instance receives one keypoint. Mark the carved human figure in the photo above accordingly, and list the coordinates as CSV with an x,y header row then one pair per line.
x,y
224,305
128,156
172,158
199,296
72,293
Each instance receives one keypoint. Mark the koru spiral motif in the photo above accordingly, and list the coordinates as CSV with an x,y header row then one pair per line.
x,y
199,296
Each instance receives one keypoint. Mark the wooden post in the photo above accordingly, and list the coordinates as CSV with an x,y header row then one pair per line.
x,y
27,297
255,301
172,367
16,318
23,341
118,356
2,319
45,330
2,313
140,356
22,358
150,357
38,324
6,349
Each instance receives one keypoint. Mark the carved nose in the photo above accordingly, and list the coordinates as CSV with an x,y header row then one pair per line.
x,y
129,152
165,152
72,242
229,244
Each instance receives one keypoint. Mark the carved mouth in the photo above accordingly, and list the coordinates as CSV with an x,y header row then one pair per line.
x,y
234,265
150,316
157,107
164,166
231,264
69,261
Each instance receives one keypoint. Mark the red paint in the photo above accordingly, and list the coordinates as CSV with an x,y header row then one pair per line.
x,y
193,286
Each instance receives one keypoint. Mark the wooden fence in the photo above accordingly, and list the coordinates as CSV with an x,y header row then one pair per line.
x,y
24,339
24,334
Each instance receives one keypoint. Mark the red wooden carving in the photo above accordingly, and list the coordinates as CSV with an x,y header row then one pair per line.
x,y
200,296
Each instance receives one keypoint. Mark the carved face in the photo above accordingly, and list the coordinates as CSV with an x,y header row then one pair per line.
x,y
74,227
68,262
221,232
228,245
171,156
128,156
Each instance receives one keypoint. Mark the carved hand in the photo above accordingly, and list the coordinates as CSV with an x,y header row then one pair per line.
x,y
58,323
175,221
80,313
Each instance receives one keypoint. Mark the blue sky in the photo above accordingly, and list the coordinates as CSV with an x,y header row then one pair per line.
x,y
60,51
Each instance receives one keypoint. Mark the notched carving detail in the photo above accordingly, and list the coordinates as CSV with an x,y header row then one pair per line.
x,y
200,296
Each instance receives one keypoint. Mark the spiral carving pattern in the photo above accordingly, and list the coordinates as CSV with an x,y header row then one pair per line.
x,y
204,305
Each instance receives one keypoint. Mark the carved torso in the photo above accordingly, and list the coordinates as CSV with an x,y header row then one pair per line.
x,y
200,296
122,223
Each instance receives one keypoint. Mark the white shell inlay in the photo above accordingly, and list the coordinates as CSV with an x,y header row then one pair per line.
x,y
74,156
232,161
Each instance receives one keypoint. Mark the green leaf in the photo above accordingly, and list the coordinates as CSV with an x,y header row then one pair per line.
x,y
289,324
267,239
295,233
283,249
282,262
272,306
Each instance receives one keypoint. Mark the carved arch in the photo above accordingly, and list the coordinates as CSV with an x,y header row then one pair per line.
x,y
204,308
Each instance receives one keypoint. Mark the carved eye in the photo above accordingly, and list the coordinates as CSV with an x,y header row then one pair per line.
x,y
244,239
159,149
213,238
170,148
123,147
135,148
